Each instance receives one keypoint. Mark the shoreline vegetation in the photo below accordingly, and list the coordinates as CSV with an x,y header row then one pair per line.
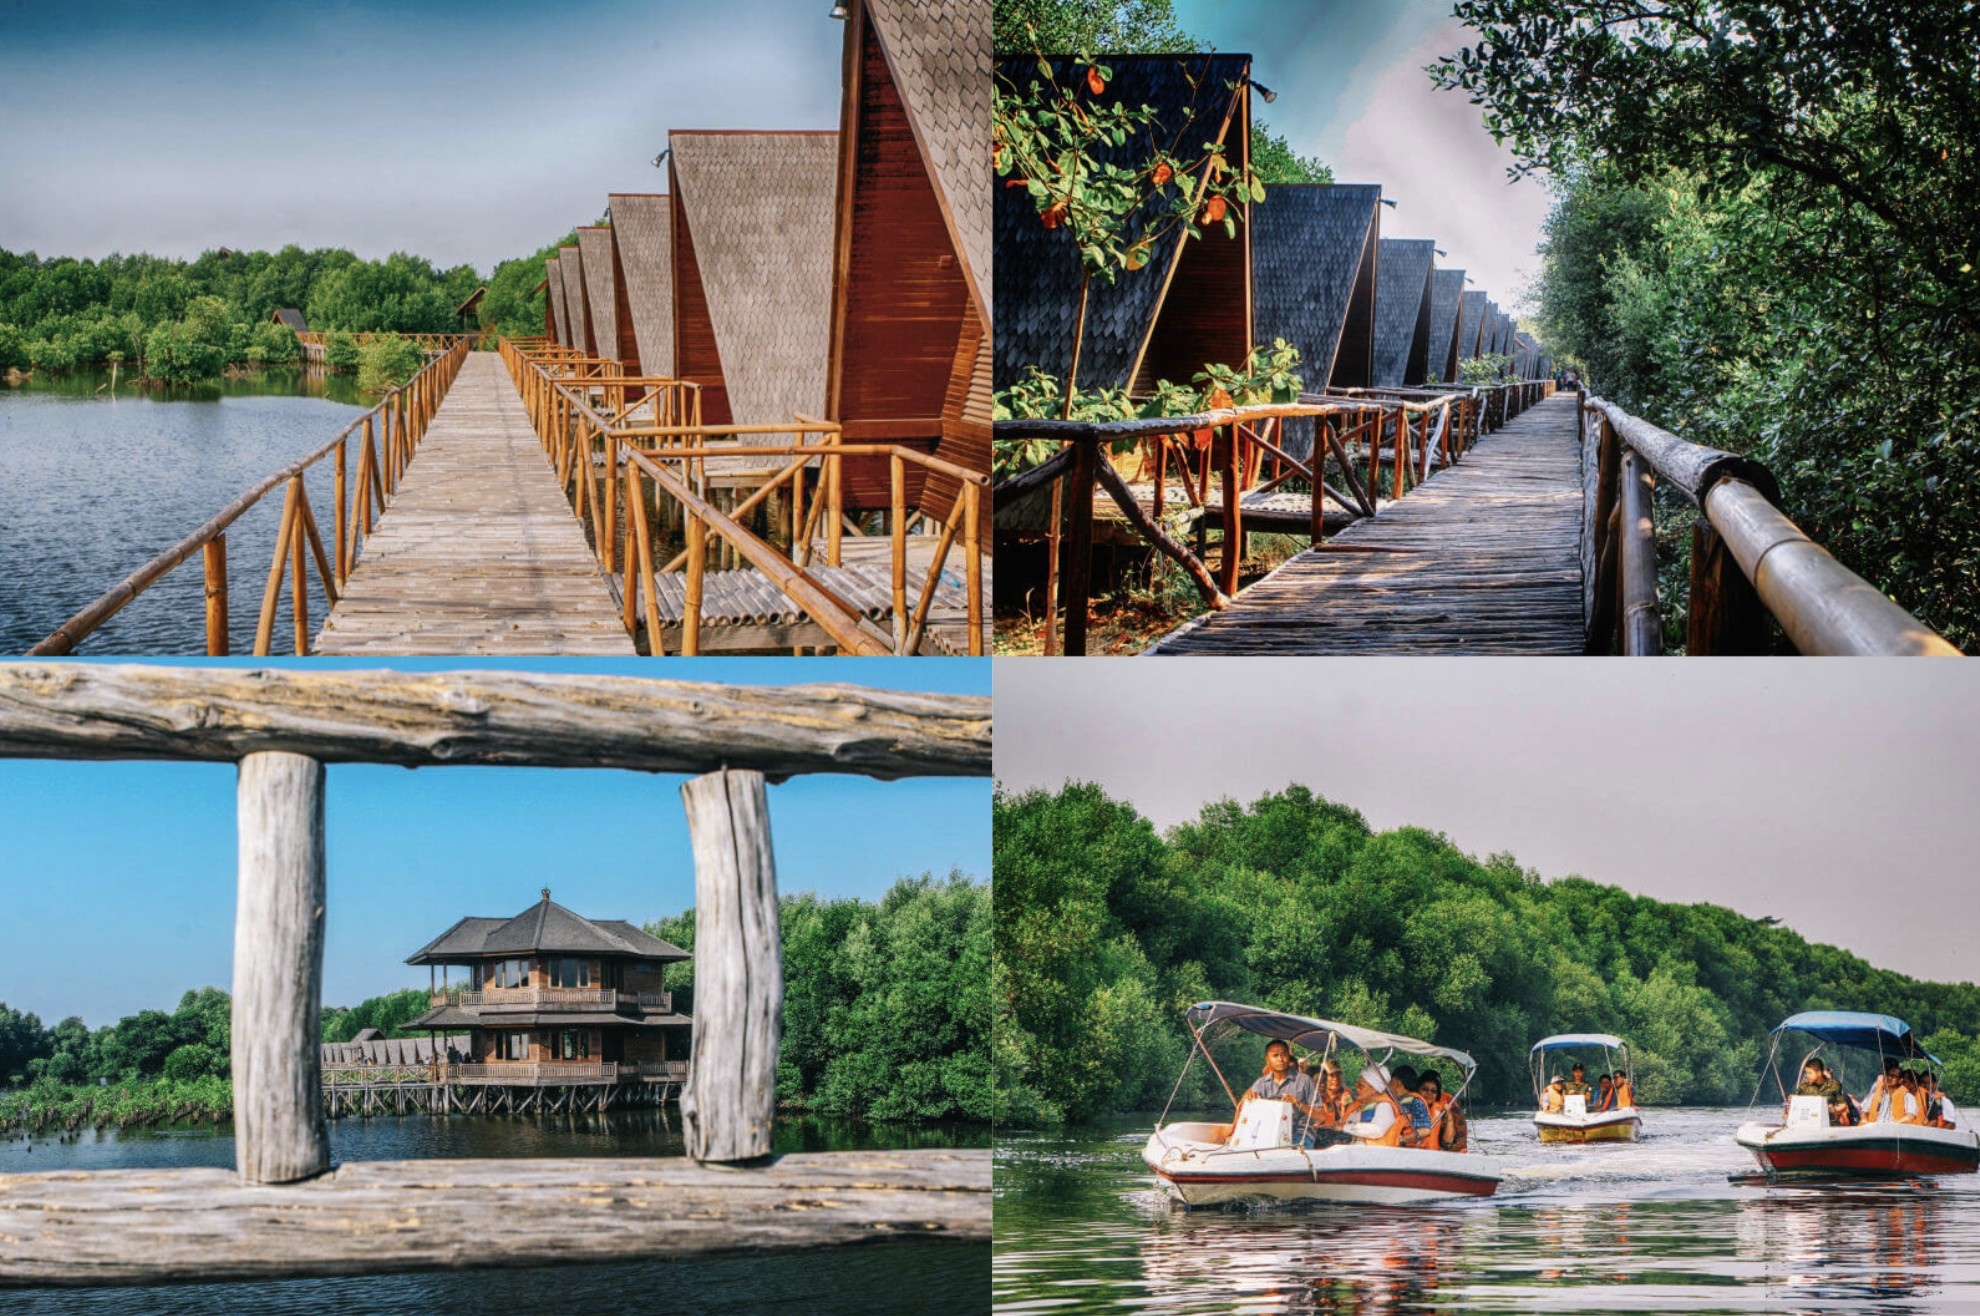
x,y
886,1019
1108,929
175,322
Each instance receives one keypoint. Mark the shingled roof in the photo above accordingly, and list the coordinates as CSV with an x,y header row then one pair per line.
x,y
1402,310
1446,292
1471,318
544,928
1309,243
643,228
559,307
1037,270
939,55
599,293
574,303
291,317
761,208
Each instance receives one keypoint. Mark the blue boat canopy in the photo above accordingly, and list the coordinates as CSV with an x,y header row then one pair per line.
x,y
1317,1034
1872,1032
1567,1041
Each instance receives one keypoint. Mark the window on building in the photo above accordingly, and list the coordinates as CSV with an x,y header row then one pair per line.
x,y
574,1044
513,1045
569,972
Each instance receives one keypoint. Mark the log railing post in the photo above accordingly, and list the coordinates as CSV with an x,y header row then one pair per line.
x,y
1726,615
216,596
1076,571
279,1133
730,1101
1642,627
1233,550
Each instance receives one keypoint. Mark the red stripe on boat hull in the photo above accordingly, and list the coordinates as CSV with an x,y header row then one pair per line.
x,y
1875,1158
1464,1185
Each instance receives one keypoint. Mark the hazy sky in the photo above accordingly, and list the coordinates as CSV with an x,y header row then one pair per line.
x,y
1838,796
117,880
460,130
1351,90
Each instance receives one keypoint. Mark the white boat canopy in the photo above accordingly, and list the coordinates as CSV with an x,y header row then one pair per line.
x,y
1317,1034
1568,1041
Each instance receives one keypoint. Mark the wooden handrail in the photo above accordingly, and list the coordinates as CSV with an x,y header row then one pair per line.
x,y
1749,560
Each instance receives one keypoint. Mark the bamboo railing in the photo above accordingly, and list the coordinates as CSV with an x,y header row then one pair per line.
x,y
1420,430
627,447
1749,561
286,1211
385,436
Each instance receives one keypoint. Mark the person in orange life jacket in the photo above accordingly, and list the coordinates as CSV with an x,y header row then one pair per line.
x,y
1625,1097
1335,1099
1447,1129
1605,1094
1887,1082
1403,1087
1375,1118
1894,1098
1939,1109
1842,1112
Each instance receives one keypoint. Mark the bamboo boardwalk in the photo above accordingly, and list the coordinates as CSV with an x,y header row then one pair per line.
x,y
478,552
1484,558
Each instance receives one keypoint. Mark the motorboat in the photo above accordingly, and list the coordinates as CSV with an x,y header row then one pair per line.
x,y
1575,1122
1806,1144
1260,1153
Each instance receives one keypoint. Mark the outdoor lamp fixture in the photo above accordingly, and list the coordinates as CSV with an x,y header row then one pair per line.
x,y
838,11
661,158
1389,202
1440,251
1264,91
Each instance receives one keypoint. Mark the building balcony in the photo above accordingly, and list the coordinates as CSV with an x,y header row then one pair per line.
x,y
554,998
521,1073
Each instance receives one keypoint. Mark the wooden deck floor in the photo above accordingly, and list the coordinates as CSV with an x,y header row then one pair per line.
x,y
479,552
1482,559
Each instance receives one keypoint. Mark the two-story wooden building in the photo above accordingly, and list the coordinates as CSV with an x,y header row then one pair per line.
x,y
551,998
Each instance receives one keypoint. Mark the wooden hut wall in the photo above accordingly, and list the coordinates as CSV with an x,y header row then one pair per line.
x,y
696,355
577,317
1354,361
1037,270
754,218
601,297
917,104
1446,293
642,242
1471,318
554,295
1402,311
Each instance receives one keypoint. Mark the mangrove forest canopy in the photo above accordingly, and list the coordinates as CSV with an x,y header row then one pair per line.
x,y
1107,930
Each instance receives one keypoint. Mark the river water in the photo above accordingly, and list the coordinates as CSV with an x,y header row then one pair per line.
x,y
1654,1226
907,1277
94,482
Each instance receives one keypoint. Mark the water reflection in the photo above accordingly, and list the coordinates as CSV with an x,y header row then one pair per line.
x,y
1658,1225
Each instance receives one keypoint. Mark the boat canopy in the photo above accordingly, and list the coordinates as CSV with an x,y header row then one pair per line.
x,y
1568,1041
1317,1034
1882,1033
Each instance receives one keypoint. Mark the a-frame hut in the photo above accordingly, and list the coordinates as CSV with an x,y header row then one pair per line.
x,y
577,315
600,293
1402,311
1189,306
753,215
1313,277
909,358
643,267
1471,323
559,306
1446,294
1489,332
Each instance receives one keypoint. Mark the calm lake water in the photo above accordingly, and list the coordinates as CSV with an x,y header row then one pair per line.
x,y
907,1278
95,482
1655,1226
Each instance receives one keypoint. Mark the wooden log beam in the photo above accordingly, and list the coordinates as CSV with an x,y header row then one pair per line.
x,y
1076,570
419,719
380,1217
1642,627
279,1131
1725,617
1152,531
1691,467
1824,607
730,1102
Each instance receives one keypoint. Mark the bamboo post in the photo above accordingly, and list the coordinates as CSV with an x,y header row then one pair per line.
x,y
897,535
1602,621
216,596
1233,555
264,630
279,1133
1642,631
697,565
730,1100
973,564
1076,571
1726,615
337,511
299,574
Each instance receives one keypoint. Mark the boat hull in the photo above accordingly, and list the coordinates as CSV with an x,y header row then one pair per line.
x,y
1205,1174
1869,1151
1609,1126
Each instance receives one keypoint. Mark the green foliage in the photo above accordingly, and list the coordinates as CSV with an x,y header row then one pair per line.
x,y
886,1007
511,307
1762,242
1114,27
1274,160
1492,368
21,1041
386,361
389,1014
340,351
1106,931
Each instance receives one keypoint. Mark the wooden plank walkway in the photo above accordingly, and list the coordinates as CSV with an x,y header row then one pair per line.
x,y
479,552
1484,558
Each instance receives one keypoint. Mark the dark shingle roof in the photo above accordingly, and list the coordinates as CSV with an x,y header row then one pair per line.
x,y
1036,270
1446,291
545,926
290,316
1402,310
453,1016
554,277
1471,316
1308,244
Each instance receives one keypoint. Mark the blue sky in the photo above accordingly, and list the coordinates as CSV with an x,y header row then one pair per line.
x,y
1351,90
117,879
460,131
